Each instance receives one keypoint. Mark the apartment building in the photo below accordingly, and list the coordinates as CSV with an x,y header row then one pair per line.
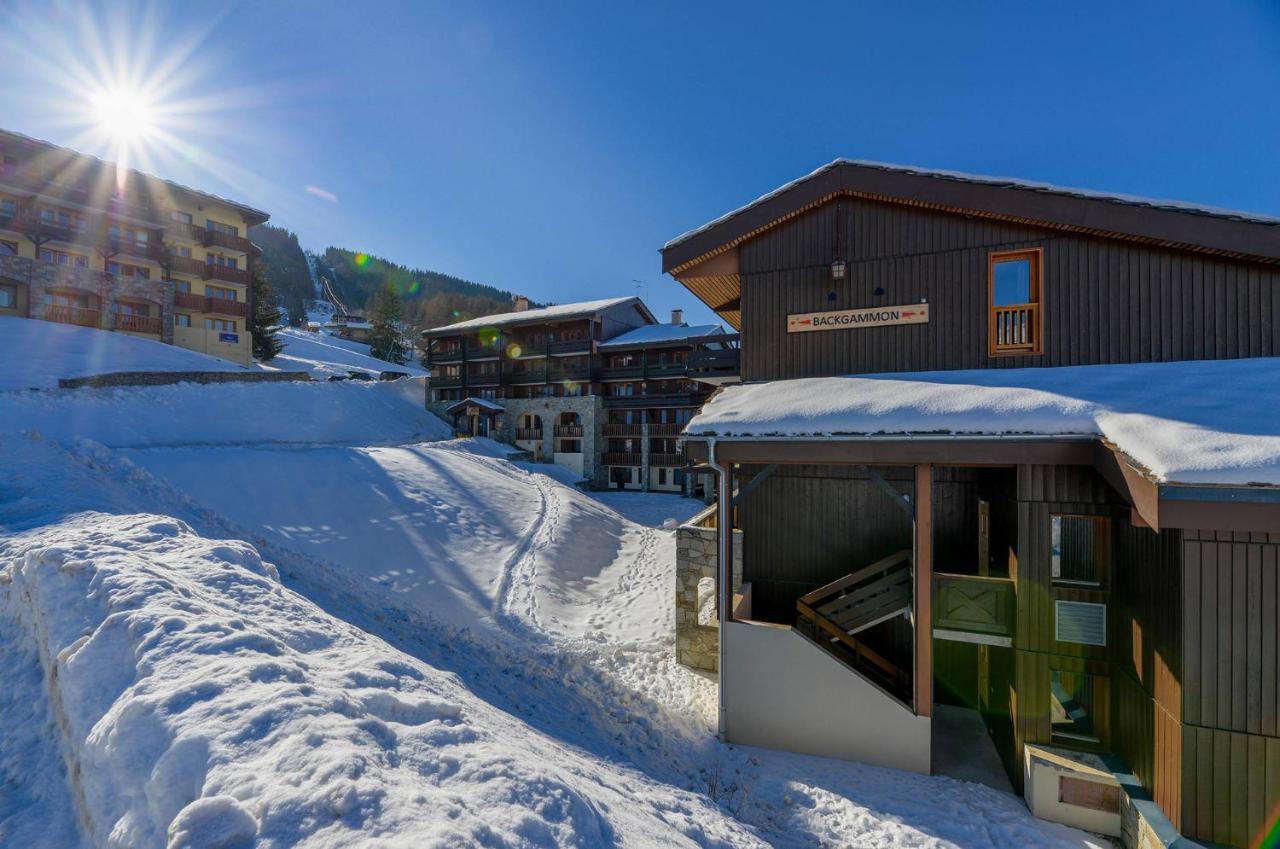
x,y
599,387
84,243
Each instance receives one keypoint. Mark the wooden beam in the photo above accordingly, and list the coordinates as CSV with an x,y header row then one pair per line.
x,y
1142,493
923,563
758,479
887,451
729,306
899,498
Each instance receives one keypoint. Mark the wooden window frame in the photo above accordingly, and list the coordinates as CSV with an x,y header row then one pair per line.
x,y
1102,549
1036,257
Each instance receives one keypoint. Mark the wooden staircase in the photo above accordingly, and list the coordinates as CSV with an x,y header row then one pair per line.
x,y
833,615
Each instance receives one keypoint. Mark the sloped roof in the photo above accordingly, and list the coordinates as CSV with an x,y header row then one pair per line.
x,y
482,403
559,312
1164,221
661,334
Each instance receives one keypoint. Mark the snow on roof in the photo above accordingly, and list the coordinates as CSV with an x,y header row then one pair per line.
x,y
472,401
656,334
1208,422
560,311
1011,182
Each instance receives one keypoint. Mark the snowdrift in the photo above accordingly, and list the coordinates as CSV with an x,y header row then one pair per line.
x,y
200,704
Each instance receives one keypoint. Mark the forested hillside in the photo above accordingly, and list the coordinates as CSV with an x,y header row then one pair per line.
x,y
428,298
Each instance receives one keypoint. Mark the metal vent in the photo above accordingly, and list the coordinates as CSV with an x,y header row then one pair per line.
x,y
1081,622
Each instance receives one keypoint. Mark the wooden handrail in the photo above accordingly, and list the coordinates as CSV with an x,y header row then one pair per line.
x,y
856,577
1014,326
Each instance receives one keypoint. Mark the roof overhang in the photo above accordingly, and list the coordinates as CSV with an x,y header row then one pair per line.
x,y
1154,504
482,404
705,261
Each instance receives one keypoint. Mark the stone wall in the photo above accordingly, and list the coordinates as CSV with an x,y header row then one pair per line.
x,y
42,277
165,378
698,645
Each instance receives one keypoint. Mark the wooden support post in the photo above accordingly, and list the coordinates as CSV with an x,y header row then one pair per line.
x,y
923,563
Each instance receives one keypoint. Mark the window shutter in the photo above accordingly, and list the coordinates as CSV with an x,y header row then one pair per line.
x,y
1081,622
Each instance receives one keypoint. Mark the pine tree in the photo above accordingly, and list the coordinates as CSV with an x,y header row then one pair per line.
x,y
264,323
385,342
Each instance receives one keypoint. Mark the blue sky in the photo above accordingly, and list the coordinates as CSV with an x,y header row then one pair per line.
x,y
551,148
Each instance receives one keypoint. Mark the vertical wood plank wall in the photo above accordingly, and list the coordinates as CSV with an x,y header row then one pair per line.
x,y
1230,738
1105,301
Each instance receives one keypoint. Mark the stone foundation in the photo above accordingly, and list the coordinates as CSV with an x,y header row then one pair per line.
x,y
698,644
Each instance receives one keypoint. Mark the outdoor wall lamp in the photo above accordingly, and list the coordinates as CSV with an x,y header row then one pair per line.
x,y
838,269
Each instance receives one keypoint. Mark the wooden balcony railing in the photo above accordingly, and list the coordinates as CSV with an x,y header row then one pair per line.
x,y
724,363
617,372
137,323
568,431
617,458
188,301
529,434
213,271
72,315
665,429
526,375
579,373
569,347
981,608
219,239
1015,327
226,306
666,369
623,430
185,265
484,378
446,380
666,460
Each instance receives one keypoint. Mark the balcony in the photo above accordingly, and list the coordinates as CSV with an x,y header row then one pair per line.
x,y
44,229
622,373
623,430
715,366
980,609
524,434
666,429
184,265
219,239
147,250
137,323
185,232
484,379
666,370
684,399
188,301
617,458
572,346
579,373
1015,328
666,460
73,315
226,306
451,354
213,271
446,381
568,431
526,375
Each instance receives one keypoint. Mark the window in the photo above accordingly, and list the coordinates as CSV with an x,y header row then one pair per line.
x,y
181,319
61,258
8,208
131,308
8,297
1080,549
186,252
124,270
217,292
183,286
221,325
180,217
1016,316
8,248
1078,702
221,261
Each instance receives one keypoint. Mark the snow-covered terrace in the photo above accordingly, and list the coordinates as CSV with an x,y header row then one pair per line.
x,y
1213,422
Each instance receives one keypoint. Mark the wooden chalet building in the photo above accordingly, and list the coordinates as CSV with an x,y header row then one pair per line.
x,y
1056,502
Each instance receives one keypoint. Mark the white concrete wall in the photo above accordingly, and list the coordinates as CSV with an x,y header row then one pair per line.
x,y
781,691
572,462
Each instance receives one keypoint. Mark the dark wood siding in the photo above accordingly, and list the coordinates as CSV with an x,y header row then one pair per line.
x,y
1105,301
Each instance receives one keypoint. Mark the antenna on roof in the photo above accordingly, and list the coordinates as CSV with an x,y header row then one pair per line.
x,y
639,285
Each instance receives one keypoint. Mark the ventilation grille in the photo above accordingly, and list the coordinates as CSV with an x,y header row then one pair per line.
x,y
1081,622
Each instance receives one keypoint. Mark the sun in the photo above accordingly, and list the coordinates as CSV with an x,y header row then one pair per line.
x,y
124,116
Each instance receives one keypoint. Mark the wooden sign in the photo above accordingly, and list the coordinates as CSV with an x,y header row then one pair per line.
x,y
851,319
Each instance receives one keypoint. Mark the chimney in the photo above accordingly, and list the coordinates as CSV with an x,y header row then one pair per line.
x,y
677,316
521,303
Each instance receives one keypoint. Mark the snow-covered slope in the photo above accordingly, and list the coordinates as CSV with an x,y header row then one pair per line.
x,y
37,353
189,414
323,355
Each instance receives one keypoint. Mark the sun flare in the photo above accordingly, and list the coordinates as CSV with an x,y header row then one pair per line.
x,y
124,116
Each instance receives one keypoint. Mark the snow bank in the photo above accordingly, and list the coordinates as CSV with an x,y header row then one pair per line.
x,y
201,704
1209,421
322,356
219,414
38,353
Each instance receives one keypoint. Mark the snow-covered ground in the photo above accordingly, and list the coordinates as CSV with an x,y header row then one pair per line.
x,y
323,355
279,618
37,353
